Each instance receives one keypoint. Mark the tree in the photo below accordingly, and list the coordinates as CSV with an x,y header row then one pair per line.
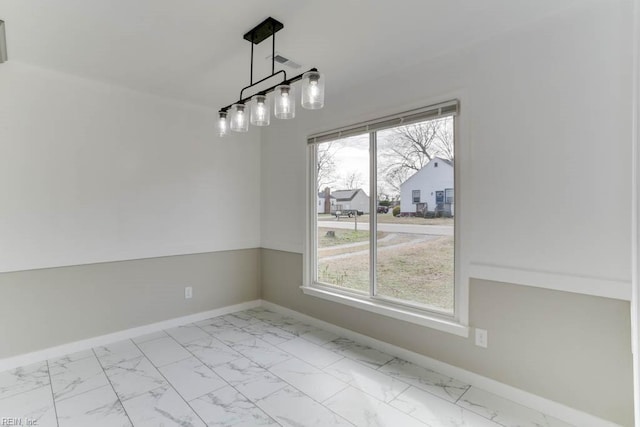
x,y
409,148
352,180
444,139
382,196
326,165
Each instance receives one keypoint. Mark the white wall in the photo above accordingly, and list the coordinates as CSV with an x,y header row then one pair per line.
x,y
544,128
544,131
91,172
635,197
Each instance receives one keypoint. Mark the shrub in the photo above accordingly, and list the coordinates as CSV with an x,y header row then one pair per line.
x,y
396,211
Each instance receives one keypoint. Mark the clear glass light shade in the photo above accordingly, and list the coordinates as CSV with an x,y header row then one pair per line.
x,y
312,90
260,114
284,102
239,122
223,128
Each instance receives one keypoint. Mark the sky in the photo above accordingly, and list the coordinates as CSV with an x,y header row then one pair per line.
x,y
352,157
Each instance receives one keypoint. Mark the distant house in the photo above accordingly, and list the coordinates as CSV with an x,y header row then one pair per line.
x,y
355,199
323,207
429,190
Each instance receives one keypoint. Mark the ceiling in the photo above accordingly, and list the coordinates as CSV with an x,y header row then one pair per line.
x,y
193,50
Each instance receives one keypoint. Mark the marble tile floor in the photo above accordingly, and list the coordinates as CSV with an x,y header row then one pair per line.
x,y
250,368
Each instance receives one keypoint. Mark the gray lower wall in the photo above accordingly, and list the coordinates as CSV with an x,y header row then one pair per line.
x,y
570,348
49,307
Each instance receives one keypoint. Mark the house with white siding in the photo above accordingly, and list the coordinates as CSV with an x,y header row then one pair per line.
x,y
429,190
354,199
323,207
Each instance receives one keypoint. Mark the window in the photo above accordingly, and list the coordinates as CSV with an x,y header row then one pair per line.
x,y
448,195
403,259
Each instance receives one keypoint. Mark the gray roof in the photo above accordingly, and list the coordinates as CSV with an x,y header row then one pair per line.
x,y
345,194
321,195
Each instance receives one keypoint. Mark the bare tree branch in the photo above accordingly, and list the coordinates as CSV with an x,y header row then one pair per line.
x,y
326,165
352,180
409,149
444,139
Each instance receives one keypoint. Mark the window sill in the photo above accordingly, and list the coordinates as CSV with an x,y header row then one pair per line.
x,y
389,310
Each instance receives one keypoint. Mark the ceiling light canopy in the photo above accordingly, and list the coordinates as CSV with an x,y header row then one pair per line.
x,y
234,116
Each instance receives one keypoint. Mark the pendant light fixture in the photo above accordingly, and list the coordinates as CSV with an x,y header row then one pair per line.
x,y
312,90
223,127
235,116
284,102
260,111
238,119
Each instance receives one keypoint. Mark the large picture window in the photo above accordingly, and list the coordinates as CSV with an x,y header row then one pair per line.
x,y
383,217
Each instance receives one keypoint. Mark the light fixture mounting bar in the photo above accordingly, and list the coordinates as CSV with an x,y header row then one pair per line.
x,y
267,28
268,90
263,30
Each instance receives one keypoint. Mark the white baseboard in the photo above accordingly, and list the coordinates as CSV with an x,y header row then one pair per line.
x,y
61,350
549,407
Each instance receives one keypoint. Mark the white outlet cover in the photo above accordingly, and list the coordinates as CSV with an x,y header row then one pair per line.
x,y
482,338
188,292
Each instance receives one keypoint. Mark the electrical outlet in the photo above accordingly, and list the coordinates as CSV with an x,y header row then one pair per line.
x,y
482,339
188,292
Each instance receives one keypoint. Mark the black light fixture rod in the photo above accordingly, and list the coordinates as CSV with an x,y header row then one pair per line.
x,y
266,78
251,76
273,52
268,90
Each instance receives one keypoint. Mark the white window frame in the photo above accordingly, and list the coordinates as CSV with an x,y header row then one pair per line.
x,y
457,323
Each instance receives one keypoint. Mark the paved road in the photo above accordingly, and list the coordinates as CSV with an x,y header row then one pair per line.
x,y
433,230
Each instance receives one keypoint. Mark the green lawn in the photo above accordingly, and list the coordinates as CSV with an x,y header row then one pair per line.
x,y
420,272
343,237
